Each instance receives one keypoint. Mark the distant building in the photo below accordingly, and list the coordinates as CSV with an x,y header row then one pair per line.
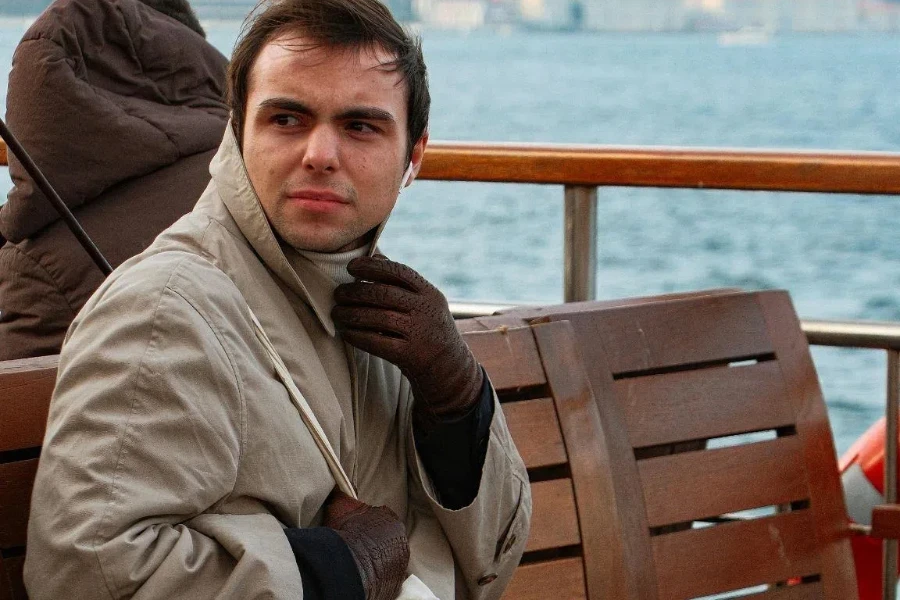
x,y
636,15
565,15
599,15
756,13
823,15
880,15
452,14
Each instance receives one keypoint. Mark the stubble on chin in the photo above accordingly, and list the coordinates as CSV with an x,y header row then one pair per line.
x,y
314,235
318,233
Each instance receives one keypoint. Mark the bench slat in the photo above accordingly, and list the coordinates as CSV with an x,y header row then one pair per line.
x,y
25,390
16,481
700,562
600,485
510,358
533,582
827,497
554,522
534,427
688,405
671,334
694,485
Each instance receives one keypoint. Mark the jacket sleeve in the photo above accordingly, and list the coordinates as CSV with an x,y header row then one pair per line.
x,y
486,537
453,451
34,314
144,441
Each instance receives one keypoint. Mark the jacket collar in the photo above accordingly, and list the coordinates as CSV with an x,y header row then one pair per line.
x,y
229,174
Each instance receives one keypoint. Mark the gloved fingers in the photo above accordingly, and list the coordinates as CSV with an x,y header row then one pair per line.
x,y
390,349
383,270
387,322
339,508
376,295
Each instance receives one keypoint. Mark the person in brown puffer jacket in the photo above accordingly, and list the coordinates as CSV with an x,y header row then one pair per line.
x,y
120,103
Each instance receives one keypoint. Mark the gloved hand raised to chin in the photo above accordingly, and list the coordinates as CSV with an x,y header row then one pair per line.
x,y
393,312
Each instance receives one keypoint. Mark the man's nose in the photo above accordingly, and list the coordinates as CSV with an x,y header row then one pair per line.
x,y
322,150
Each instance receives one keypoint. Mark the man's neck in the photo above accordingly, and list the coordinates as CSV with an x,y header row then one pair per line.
x,y
334,264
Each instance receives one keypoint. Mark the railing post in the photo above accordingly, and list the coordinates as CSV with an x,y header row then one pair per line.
x,y
580,278
889,554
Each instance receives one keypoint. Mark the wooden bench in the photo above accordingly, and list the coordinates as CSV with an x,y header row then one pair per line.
x,y
711,414
591,396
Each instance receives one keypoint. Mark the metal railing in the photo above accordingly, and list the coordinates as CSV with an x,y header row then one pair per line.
x,y
583,169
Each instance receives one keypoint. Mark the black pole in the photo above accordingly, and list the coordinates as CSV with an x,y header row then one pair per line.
x,y
13,144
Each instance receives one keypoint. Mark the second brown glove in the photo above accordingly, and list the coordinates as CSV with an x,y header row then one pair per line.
x,y
377,540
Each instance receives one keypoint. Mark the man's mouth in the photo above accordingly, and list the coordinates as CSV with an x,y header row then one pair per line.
x,y
317,200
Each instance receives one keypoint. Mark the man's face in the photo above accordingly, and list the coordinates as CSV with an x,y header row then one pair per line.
x,y
324,141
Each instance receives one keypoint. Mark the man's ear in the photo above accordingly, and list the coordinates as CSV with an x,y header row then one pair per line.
x,y
416,156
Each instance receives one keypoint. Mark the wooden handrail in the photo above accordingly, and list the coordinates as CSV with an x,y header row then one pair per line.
x,y
789,171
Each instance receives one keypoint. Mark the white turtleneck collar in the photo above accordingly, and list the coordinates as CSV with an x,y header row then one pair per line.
x,y
334,264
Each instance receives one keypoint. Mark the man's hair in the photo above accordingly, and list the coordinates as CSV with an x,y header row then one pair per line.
x,y
352,24
180,10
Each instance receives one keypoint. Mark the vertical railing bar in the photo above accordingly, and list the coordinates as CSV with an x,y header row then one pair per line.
x,y
580,252
889,553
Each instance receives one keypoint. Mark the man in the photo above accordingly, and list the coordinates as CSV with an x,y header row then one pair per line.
x,y
175,465
121,104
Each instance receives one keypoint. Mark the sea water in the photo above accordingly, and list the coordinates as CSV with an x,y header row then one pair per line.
x,y
837,254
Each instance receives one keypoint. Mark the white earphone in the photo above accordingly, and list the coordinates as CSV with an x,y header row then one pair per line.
x,y
407,176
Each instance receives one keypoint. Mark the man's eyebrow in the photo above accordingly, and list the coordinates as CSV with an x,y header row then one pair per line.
x,y
367,113
286,104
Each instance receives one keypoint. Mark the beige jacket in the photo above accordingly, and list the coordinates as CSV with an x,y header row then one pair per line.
x,y
173,456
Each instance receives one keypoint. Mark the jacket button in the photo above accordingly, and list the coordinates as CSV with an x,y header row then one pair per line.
x,y
509,543
487,579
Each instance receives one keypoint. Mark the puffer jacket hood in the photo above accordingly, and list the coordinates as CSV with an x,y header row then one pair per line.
x,y
143,88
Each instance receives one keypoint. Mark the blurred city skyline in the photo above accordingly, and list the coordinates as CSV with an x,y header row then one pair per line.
x,y
767,16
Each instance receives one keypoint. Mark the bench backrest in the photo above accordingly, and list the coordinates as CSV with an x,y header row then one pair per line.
x,y
25,390
553,418
676,381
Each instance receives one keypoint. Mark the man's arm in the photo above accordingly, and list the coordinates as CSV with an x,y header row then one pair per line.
x,y
393,312
453,451
144,439
487,536
326,564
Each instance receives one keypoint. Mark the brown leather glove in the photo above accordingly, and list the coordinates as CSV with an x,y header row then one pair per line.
x,y
377,541
393,312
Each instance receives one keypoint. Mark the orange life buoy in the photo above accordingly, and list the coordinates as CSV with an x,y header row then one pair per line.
x,y
862,475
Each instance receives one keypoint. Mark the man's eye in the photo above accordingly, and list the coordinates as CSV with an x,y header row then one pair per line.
x,y
361,127
285,120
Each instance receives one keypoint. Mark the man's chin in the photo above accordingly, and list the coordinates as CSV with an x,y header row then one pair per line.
x,y
326,246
